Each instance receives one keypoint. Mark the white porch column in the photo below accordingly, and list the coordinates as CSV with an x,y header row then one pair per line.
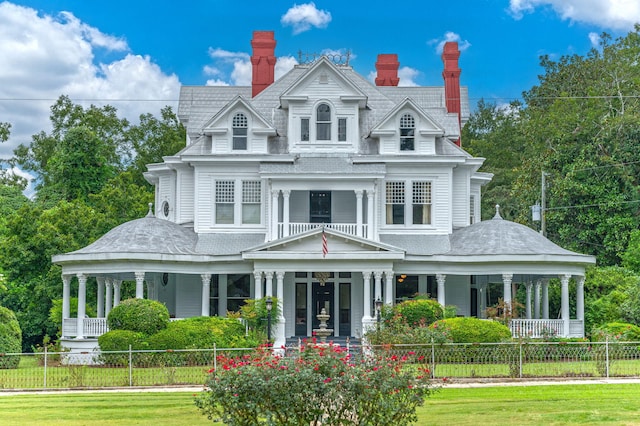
x,y
359,194
100,297
388,288
275,195
440,279
366,279
529,287
108,302
370,195
257,281
268,276
285,212
66,299
506,283
82,304
116,292
139,285
580,298
280,332
377,275
536,298
545,299
564,301
206,294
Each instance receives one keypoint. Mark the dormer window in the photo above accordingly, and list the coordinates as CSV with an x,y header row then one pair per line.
x,y
323,122
240,126
407,132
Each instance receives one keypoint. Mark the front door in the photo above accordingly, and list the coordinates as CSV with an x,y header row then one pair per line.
x,y
322,297
320,207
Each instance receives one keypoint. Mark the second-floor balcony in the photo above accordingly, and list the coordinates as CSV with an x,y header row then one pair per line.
x,y
294,228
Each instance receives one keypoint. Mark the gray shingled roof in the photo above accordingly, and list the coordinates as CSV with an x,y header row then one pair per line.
x,y
425,245
502,237
227,244
146,235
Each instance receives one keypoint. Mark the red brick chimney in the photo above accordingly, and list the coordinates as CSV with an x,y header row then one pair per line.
x,y
263,60
451,75
387,68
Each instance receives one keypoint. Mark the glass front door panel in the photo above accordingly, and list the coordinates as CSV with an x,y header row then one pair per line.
x,y
320,207
345,309
322,298
301,309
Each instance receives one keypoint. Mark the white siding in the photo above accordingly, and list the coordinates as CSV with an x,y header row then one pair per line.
x,y
458,293
185,207
343,207
204,201
460,197
189,296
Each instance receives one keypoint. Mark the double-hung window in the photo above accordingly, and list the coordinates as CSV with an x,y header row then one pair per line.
x,y
407,132
225,201
251,199
323,122
395,203
421,203
240,127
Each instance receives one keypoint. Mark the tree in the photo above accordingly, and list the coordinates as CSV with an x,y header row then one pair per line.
x,y
153,139
108,133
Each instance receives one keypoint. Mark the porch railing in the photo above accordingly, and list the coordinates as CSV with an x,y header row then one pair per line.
x,y
537,328
91,327
300,227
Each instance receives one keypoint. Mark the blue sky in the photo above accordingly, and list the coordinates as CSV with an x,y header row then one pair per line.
x,y
138,50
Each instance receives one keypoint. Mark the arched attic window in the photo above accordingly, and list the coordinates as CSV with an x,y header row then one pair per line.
x,y
323,122
407,132
240,126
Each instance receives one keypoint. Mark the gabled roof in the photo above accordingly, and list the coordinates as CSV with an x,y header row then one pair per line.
x,y
210,125
351,91
434,127
308,245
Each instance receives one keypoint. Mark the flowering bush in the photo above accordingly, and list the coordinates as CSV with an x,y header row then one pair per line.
x,y
323,385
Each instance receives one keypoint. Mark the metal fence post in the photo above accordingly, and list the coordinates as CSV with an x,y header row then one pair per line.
x,y
606,349
215,360
433,360
130,367
45,365
520,345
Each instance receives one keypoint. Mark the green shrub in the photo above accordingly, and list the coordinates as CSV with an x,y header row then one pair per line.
x,y
119,340
323,383
201,333
142,315
616,331
10,338
418,312
473,330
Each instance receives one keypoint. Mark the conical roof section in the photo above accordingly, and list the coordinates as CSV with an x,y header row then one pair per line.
x,y
146,235
502,237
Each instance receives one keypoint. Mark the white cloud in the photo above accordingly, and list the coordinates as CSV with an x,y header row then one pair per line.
x,y
614,14
407,76
234,68
304,16
450,36
46,56
594,38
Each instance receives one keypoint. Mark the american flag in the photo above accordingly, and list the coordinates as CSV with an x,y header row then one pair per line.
x,y
325,248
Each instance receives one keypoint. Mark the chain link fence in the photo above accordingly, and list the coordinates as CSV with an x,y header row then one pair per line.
x,y
518,360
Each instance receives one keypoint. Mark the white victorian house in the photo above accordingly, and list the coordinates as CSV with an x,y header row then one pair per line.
x,y
271,170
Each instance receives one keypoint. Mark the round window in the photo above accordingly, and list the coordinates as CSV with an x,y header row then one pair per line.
x,y
165,208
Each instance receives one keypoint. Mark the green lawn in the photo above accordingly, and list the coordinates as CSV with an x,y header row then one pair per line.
x,y
534,405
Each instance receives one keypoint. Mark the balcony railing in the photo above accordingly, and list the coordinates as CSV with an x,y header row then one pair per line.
x,y
537,328
300,227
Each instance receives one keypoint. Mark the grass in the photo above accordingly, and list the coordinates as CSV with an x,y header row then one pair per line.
x,y
586,404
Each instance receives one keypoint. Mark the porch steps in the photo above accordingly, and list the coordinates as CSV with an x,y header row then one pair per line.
x,y
354,342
